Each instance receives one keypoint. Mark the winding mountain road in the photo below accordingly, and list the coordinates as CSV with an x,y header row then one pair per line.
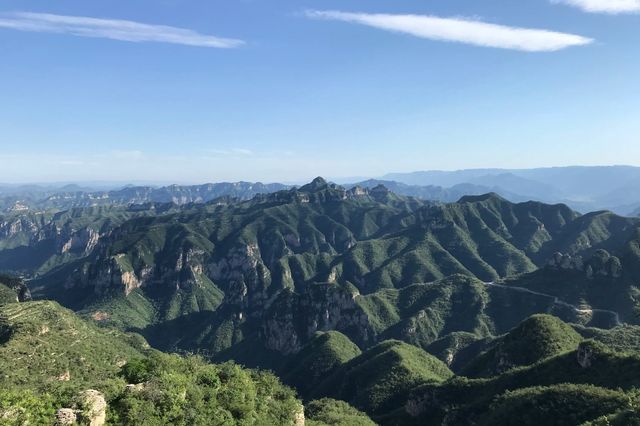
x,y
557,301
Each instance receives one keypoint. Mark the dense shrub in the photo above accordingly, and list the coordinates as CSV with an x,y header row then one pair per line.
x,y
332,412
560,405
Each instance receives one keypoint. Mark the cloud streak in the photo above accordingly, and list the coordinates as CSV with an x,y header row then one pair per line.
x,y
233,152
612,7
111,29
461,30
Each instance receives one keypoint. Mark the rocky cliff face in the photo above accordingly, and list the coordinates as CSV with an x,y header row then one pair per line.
x,y
294,318
29,230
11,227
244,276
600,264
82,241
33,243
117,274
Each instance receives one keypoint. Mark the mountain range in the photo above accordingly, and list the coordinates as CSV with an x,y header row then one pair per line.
x,y
584,189
614,188
369,305
33,197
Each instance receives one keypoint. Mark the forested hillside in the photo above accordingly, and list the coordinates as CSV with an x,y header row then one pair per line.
x,y
397,306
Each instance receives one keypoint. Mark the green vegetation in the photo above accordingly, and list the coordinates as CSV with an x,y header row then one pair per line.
x,y
537,338
318,359
188,391
20,406
156,270
592,296
414,313
625,338
48,356
382,377
330,412
592,370
7,295
13,289
460,308
49,349
564,404
400,384
626,417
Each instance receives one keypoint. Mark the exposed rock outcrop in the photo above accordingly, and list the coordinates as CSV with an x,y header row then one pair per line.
x,y
92,407
83,241
294,318
116,272
298,417
89,408
416,405
245,276
23,294
601,264
135,388
585,354
66,416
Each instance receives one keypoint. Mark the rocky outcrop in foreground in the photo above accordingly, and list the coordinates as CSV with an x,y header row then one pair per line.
x,y
90,408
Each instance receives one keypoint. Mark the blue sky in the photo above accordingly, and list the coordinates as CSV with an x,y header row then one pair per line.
x,y
277,90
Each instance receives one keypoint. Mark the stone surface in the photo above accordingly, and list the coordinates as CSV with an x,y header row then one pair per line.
x,y
585,356
66,416
93,407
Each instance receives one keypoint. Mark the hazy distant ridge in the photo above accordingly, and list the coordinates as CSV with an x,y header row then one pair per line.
x,y
615,188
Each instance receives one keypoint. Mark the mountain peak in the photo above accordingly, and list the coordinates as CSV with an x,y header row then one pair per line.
x,y
315,185
380,188
480,198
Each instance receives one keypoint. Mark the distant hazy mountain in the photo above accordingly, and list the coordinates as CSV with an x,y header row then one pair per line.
x,y
615,188
22,198
438,193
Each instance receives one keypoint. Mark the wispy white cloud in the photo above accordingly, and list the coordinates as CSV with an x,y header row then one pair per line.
x,y
189,167
232,152
461,30
112,29
613,7
242,151
130,155
71,162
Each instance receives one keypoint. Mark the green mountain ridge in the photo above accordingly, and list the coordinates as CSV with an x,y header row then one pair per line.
x,y
592,367
273,271
413,301
51,359
351,238
399,384
378,379
536,338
